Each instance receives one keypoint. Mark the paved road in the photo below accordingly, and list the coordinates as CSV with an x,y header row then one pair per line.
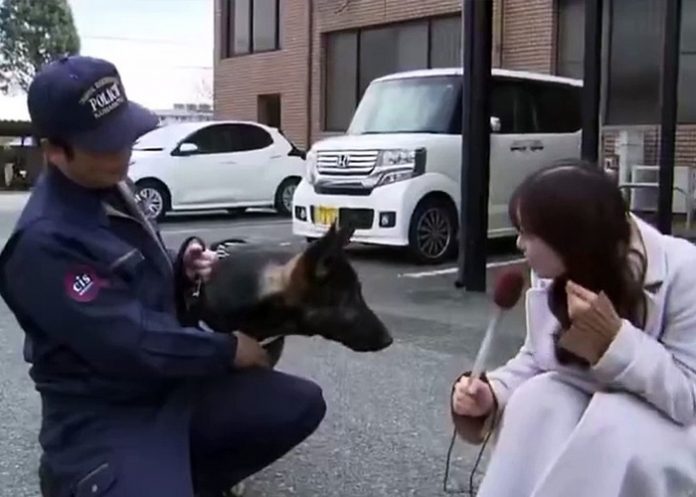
x,y
387,429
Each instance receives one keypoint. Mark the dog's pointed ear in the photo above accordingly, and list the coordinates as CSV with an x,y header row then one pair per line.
x,y
344,234
320,255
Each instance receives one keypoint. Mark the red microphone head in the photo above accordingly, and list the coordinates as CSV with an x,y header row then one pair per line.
x,y
508,289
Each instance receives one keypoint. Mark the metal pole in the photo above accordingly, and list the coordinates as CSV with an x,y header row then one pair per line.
x,y
668,121
592,75
477,27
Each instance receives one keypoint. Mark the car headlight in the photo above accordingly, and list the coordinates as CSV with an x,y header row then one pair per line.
x,y
311,167
398,157
399,165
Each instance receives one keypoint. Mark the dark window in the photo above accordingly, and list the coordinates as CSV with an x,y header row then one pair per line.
x,y
251,26
210,140
635,63
269,110
510,102
635,52
411,51
558,107
354,59
247,137
571,38
687,64
446,42
341,80
391,49
265,25
227,138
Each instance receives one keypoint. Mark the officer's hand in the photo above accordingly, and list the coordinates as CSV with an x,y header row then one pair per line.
x,y
250,353
199,262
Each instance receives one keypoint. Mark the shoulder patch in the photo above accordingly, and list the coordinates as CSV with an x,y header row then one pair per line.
x,y
82,284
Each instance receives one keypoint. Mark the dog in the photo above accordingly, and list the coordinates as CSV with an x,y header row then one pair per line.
x,y
271,295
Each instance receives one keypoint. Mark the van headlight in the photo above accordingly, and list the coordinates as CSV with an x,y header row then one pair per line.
x,y
399,165
311,167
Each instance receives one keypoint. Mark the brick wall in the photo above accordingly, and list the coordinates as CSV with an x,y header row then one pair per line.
x,y
240,79
528,37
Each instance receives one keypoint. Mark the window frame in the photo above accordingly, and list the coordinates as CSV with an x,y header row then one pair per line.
x,y
227,31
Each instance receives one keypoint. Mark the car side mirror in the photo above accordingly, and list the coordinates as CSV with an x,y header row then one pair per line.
x,y
188,148
495,124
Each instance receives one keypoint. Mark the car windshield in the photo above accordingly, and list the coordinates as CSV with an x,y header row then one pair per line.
x,y
408,105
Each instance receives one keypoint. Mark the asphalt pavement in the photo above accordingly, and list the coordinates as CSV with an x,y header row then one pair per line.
x,y
387,429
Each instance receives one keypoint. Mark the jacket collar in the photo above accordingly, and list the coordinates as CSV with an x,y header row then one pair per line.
x,y
80,205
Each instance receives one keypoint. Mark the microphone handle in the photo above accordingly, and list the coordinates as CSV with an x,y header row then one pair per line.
x,y
484,350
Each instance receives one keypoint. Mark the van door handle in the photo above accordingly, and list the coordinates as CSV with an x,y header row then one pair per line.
x,y
518,146
536,145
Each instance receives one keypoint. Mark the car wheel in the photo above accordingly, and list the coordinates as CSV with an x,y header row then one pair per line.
x,y
433,231
154,198
284,195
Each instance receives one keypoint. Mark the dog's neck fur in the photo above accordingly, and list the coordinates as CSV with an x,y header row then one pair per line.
x,y
253,293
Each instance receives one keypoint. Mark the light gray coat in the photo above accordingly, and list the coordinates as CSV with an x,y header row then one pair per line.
x,y
625,428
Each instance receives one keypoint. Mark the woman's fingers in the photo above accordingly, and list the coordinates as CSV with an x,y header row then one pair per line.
x,y
580,291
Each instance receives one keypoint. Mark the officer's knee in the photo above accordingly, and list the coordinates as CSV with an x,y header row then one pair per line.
x,y
313,406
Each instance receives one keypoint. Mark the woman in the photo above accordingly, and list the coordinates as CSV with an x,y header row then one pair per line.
x,y
601,398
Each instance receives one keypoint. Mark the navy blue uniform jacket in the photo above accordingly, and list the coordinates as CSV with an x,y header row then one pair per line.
x,y
93,288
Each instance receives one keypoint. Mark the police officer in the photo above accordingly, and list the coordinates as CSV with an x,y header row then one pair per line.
x,y
133,403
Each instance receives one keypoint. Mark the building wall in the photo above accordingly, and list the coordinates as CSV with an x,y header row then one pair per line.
x,y
528,35
238,80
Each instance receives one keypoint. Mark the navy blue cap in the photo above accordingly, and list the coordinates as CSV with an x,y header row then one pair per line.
x,y
81,100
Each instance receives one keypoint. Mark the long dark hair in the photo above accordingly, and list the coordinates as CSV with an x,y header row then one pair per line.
x,y
579,211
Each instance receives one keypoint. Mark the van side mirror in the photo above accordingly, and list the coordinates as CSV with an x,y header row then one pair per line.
x,y
188,149
495,124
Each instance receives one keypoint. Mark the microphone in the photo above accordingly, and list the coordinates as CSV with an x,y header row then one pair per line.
x,y
508,289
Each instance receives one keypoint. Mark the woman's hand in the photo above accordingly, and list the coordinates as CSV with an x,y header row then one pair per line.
x,y
594,323
579,299
473,400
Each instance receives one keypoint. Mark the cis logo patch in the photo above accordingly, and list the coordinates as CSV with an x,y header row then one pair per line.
x,y
82,284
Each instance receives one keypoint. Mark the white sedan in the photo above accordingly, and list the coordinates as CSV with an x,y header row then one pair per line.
x,y
230,165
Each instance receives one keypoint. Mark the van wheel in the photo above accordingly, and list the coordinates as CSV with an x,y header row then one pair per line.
x,y
432,234
154,197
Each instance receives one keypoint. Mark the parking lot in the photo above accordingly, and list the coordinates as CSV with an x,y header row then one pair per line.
x,y
387,428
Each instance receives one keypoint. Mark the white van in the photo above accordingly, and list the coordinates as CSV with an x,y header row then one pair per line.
x,y
395,174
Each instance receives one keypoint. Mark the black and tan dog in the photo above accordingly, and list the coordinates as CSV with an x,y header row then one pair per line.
x,y
272,295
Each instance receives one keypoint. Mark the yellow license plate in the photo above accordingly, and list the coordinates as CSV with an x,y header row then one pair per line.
x,y
325,216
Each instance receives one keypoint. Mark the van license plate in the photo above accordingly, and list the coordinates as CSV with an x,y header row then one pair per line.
x,y
325,216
